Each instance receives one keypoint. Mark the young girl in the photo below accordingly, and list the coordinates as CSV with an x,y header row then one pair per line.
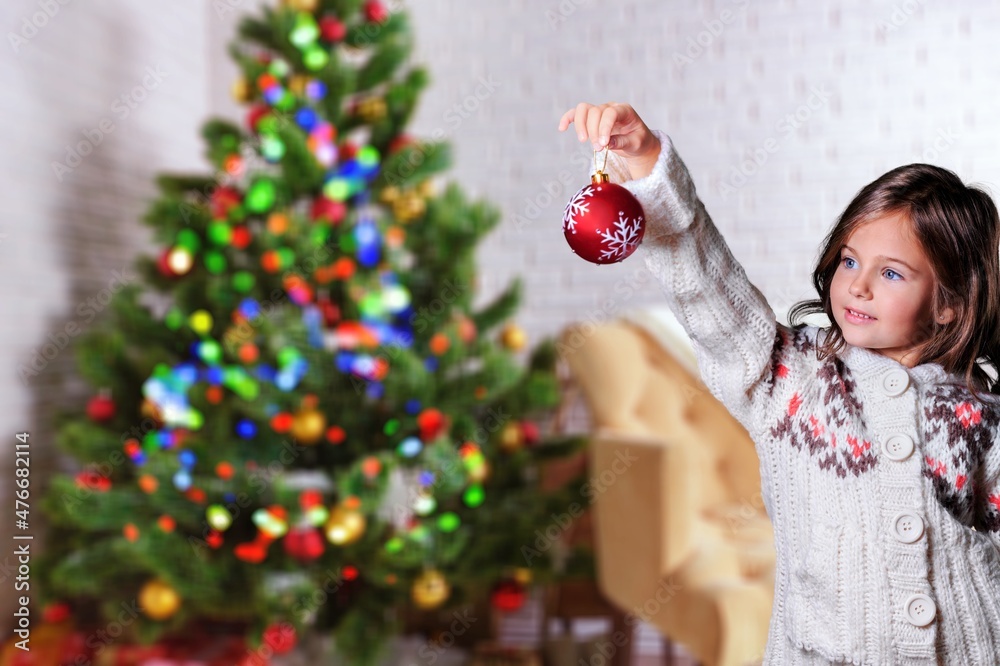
x,y
877,435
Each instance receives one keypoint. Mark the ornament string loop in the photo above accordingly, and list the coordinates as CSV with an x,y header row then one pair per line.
x,y
603,166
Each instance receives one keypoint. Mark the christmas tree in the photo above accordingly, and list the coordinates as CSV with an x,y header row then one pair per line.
x,y
301,423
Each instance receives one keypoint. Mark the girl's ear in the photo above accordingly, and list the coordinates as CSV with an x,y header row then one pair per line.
x,y
946,316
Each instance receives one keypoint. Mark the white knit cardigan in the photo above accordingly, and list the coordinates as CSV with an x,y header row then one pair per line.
x,y
882,482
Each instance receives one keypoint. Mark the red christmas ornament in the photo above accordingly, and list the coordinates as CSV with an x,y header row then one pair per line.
x,y
331,313
280,637
431,423
270,261
55,612
335,435
163,264
304,543
508,595
401,141
375,11
282,422
310,498
91,480
174,262
529,431
253,552
223,199
347,151
101,409
256,113
241,237
327,209
603,223
331,29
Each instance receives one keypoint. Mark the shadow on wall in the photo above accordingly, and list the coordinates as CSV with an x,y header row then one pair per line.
x,y
97,189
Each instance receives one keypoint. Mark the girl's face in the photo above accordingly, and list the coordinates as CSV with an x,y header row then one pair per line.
x,y
883,273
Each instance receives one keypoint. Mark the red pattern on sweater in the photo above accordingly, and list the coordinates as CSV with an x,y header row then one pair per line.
x,y
957,431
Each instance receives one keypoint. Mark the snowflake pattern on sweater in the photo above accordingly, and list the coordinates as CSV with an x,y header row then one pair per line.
x,y
954,421
823,436
967,428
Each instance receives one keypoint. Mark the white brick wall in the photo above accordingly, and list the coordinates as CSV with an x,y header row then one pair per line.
x,y
889,95
889,83
63,240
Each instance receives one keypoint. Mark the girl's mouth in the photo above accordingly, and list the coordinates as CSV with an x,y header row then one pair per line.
x,y
857,317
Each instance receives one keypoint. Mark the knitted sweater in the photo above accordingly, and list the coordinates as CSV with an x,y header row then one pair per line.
x,y
882,482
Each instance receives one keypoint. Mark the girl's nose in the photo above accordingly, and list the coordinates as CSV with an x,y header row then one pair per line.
x,y
859,288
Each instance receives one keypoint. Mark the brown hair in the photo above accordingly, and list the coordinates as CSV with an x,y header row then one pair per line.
x,y
958,229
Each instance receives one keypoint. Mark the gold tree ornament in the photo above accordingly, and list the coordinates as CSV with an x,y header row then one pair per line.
x,y
513,337
430,590
240,90
308,426
389,194
302,5
344,526
158,600
511,438
297,84
372,109
409,206
427,188
151,411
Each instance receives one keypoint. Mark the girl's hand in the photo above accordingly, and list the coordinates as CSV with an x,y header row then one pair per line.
x,y
618,127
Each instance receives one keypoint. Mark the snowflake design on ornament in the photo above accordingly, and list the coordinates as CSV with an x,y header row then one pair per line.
x,y
578,206
625,238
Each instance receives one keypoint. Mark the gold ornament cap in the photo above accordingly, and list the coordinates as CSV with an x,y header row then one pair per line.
x,y
599,174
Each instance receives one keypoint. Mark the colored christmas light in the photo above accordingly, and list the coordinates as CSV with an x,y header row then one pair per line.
x,y
246,429
474,496
261,195
410,447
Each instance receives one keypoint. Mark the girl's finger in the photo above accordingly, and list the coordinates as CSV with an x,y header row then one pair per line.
x,y
594,122
607,124
566,119
580,118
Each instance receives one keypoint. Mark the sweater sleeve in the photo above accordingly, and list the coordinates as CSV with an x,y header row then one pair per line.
x,y
731,326
988,499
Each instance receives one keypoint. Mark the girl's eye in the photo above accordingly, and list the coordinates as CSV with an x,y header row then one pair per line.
x,y
850,263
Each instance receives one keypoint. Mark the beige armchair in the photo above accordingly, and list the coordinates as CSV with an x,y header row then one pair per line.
x,y
681,537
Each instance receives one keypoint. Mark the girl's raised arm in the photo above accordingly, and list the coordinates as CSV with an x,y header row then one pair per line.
x,y
733,329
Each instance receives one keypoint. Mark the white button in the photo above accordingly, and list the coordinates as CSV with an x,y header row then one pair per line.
x,y
897,447
920,610
895,382
907,527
